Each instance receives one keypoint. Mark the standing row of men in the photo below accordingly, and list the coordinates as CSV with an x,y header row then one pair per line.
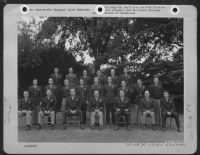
x,y
106,95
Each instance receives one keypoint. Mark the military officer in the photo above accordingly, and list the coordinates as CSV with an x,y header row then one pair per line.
x,y
72,107
25,108
96,107
156,91
139,89
126,77
57,77
96,86
57,80
35,92
115,79
147,109
109,94
48,105
52,87
122,107
83,94
72,77
168,110
86,78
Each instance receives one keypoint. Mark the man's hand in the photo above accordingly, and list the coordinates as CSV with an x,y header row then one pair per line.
x,y
126,110
46,112
169,113
118,109
148,111
73,111
23,111
96,110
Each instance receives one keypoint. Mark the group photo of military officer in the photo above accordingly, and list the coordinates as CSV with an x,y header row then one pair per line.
x,y
107,100
86,79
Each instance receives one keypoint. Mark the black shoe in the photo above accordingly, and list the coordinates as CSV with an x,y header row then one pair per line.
x,y
116,128
28,127
52,127
81,127
64,126
128,127
143,126
39,127
179,130
163,129
100,127
92,127
153,127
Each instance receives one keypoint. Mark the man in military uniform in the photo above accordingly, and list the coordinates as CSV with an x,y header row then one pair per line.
x,y
125,88
115,79
52,87
96,107
65,93
72,107
57,77
35,92
139,89
100,77
83,94
109,94
156,91
168,110
25,108
96,86
126,77
122,107
47,109
72,77
86,78
147,109
57,80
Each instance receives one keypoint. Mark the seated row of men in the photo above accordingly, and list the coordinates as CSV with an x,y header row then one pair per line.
x,y
72,106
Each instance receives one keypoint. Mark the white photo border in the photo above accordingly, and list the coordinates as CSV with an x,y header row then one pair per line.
x,y
11,144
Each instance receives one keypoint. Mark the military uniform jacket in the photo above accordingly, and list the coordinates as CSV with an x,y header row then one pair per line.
x,y
57,79
48,103
35,92
126,78
109,93
115,80
66,92
125,104
156,92
72,79
86,80
167,105
96,104
53,89
101,80
25,104
126,90
72,103
139,91
147,104
82,93
96,87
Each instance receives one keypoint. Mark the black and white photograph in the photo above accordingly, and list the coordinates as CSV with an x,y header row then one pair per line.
x,y
100,79
86,79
